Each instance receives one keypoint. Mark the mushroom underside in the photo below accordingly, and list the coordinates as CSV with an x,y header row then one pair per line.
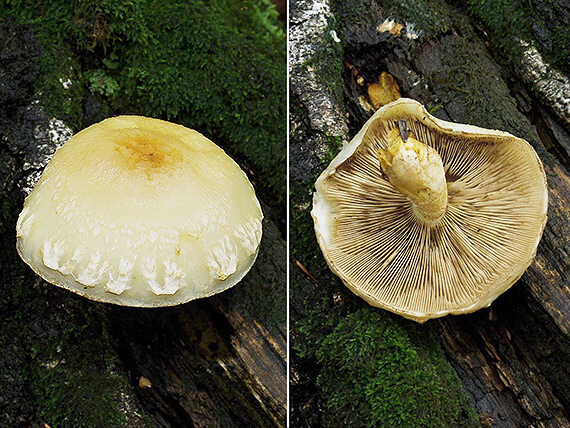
x,y
484,242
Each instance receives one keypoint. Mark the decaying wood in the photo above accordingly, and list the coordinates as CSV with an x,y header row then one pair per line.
x,y
211,362
513,358
215,362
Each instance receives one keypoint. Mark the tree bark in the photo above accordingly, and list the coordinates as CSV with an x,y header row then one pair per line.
x,y
67,361
512,358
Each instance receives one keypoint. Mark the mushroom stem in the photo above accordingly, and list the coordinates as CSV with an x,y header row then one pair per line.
x,y
416,171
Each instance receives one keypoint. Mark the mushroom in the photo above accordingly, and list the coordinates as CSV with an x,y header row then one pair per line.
x,y
384,91
425,218
141,212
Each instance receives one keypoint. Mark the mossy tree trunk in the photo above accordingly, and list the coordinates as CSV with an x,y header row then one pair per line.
x,y
69,362
512,358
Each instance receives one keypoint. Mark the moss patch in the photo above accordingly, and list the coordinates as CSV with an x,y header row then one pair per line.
x,y
218,67
74,383
376,374
540,22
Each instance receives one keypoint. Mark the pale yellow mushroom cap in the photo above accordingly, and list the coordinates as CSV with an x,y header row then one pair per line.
x,y
141,212
479,241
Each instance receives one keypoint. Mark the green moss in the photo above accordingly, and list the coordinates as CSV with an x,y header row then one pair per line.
x,y
537,22
375,374
102,84
334,145
73,382
468,83
218,67
70,365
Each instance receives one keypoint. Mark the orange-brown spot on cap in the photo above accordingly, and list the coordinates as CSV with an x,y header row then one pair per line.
x,y
141,150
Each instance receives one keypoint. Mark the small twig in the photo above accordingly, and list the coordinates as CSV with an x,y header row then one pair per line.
x,y
403,127
305,271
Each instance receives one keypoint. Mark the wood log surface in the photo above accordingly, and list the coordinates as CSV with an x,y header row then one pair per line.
x,y
69,361
512,358
222,361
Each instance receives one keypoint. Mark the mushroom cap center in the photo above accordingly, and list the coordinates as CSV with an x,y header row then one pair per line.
x,y
146,151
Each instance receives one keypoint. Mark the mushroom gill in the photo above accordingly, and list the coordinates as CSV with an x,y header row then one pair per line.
x,y
376,239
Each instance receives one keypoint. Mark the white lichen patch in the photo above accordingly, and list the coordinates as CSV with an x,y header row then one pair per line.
x,y
411,32
48,141
334,36
66,84
551,85
58,132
